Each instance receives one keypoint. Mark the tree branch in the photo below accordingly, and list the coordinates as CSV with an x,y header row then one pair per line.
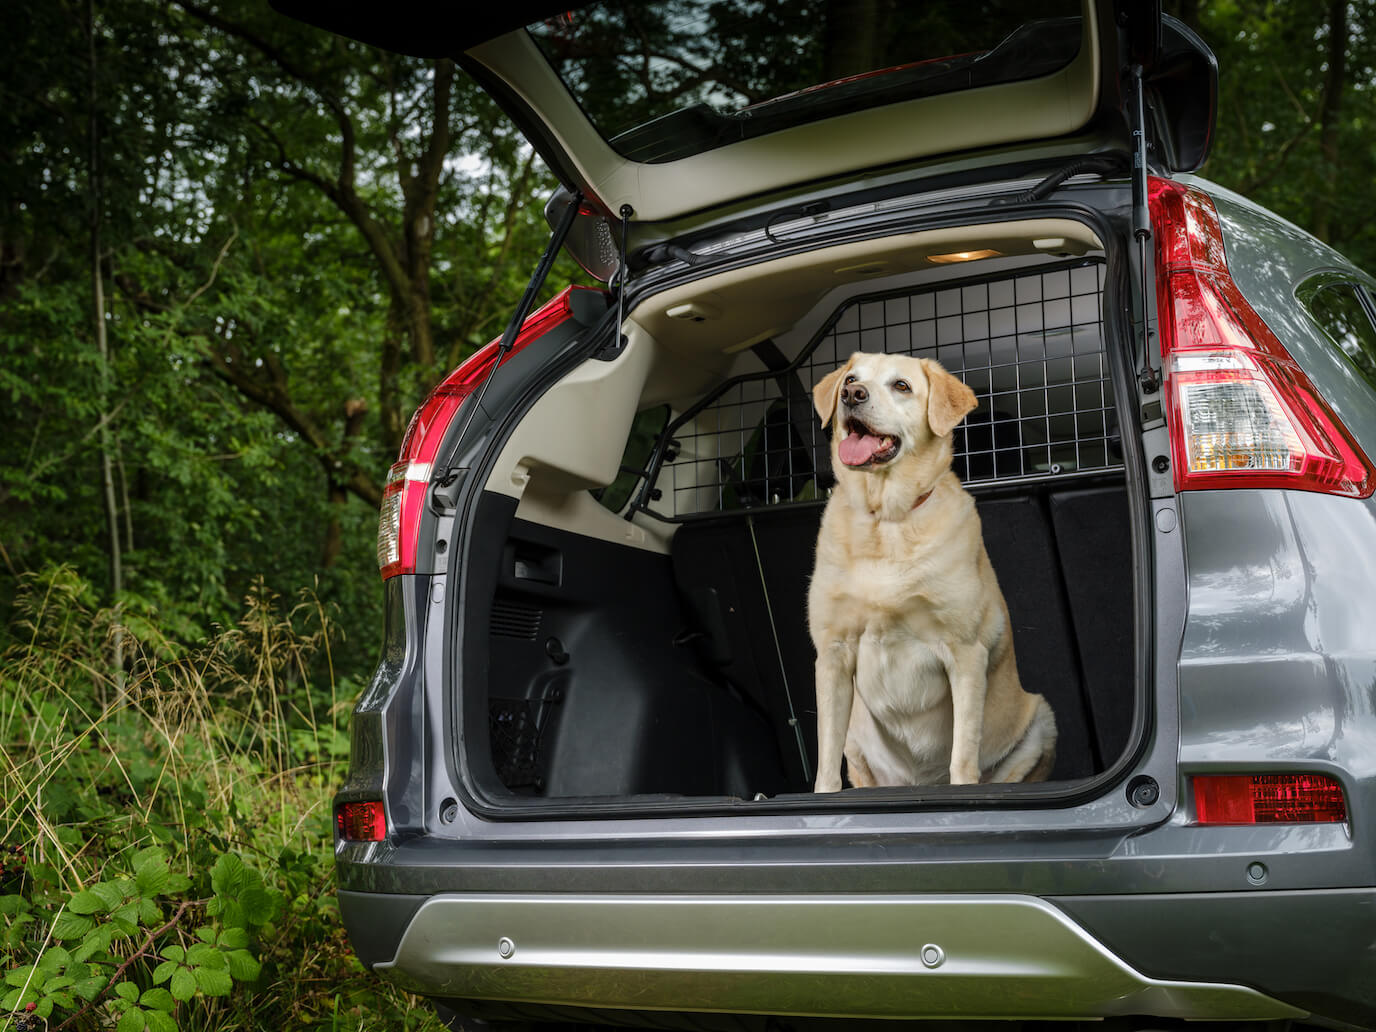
x,y
280,58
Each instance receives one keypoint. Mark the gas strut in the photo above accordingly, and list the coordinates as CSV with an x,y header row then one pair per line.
x,y
518,318
1141,224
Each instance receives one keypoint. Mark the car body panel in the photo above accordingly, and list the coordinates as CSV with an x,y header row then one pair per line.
x,y
988,956
1270,259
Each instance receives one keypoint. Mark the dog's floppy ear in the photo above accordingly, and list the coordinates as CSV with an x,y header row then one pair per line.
x,y
824,394
949,400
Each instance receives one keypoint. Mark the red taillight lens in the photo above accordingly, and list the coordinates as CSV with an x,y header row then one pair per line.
x,y
403,496
1268,799
1242,413
361,822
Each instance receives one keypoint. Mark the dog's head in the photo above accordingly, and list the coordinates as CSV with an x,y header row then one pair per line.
x,y
889,408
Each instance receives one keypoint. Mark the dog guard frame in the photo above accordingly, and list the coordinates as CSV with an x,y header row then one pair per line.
x,y
1029,342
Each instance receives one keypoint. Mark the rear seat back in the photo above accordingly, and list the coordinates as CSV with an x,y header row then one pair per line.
x,y
1064,563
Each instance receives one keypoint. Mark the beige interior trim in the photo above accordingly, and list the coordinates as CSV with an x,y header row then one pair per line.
x,y
571,441
1054,105
686,340
733,310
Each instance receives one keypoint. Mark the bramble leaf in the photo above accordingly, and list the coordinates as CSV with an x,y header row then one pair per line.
x,y
89,988
158,998
87,902
242,965
213,983
183,984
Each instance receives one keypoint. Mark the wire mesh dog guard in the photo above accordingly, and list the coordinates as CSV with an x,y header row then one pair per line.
x,y
1029,344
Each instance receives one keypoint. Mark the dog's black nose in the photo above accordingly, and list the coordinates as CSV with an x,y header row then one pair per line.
x,y
854,394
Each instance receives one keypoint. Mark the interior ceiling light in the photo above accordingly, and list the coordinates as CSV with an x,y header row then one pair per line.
x,y
963,256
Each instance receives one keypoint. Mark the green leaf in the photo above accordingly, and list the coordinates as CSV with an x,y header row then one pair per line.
x,y
87,948
89,988
173,952
206,934
109,893
160,1022
11,1000
259,906
148,912
127,915
159,999
234,938
44,1007
213,983
133,1021
176,883
163,971
227,876
10,905
242,965
183,984
19,975
127,991
87,902
150,872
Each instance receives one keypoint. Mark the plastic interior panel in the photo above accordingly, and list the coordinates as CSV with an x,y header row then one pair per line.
x,y
754,599
1030,344
594,689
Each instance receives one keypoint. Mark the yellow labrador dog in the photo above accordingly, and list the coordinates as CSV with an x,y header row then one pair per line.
x,y
915,669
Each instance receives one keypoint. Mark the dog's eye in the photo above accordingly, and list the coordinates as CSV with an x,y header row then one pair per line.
x,y
902,385
849,379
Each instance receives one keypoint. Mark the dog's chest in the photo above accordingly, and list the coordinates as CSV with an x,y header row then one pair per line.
x,y
899,674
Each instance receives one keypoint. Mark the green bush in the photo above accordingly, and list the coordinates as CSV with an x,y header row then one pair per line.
x,y
166,861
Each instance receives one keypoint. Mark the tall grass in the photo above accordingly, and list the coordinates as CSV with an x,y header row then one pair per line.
x,y
166,852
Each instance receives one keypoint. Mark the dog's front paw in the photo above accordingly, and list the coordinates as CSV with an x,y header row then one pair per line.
x,y
964,774
827,783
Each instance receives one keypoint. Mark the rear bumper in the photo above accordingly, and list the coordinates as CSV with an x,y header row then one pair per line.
x,y
910,956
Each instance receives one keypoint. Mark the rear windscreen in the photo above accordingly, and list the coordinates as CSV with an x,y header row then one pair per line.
x,y
667,80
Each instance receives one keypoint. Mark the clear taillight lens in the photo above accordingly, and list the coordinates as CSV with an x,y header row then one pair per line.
x,y
1242,413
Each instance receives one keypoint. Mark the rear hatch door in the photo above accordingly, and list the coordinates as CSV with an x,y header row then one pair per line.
x,y
682,106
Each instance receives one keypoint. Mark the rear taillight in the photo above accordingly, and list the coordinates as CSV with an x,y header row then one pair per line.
x,y
1268,799
1241,412
361,822
403,496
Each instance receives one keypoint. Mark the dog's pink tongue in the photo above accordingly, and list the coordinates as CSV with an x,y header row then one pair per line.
x,y
856,450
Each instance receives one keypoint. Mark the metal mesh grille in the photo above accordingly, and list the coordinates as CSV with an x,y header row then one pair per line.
x,y
1030,345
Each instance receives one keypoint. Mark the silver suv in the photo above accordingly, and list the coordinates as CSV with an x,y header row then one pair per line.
x,y
580,788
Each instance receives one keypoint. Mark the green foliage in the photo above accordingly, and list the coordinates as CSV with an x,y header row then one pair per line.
x,y
165,863
1293,134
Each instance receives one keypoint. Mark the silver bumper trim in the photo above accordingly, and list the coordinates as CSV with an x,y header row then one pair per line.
x,y
996,956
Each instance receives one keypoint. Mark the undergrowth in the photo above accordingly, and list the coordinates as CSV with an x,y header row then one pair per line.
x,y
166,860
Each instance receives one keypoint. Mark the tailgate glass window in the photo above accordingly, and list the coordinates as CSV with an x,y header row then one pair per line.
x,y
670,79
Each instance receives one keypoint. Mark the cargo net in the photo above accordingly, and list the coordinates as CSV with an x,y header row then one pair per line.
x,y
1030,345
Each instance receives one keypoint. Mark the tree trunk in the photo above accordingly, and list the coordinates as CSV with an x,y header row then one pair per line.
x,y
107,446
337,488
1329,119
389,382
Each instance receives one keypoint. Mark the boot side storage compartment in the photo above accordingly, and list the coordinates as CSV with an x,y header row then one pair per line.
x,y
636,626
